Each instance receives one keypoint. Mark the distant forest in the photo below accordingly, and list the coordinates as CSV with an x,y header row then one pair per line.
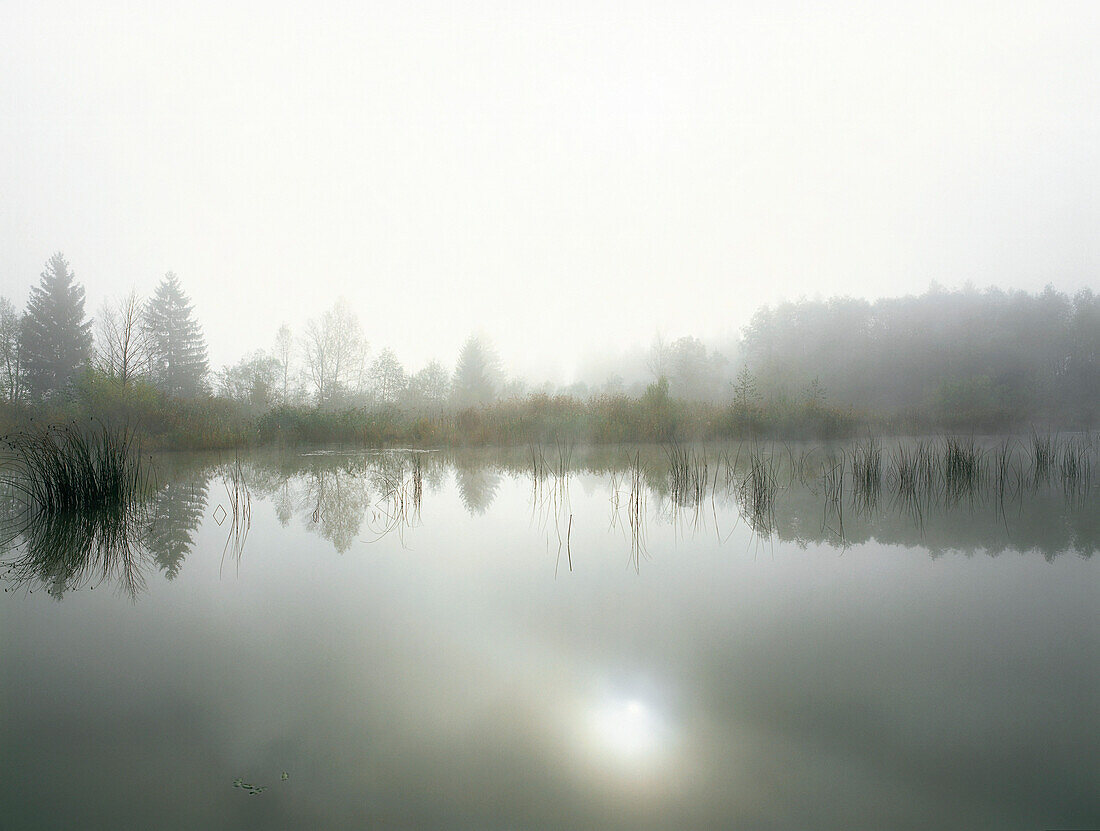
x,y
946,360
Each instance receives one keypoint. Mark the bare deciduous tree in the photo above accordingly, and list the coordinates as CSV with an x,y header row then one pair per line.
x,y
284,353
335,353
387,378
11,367
123,349
429,389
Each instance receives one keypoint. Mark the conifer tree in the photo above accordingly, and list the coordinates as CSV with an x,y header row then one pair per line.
x,y
55,338
478,373
176,345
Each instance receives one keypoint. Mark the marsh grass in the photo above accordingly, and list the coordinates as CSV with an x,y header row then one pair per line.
x,y
866,475
78,509
757,493
688,475
1043,455
832,486
962,467
70,468
1075,466
240,509
397,507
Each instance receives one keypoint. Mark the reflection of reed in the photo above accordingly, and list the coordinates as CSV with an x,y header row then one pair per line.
x,y
633,485
866,476
240,510
1075,466
687,475
75,511
550,496
68,550
398,505
757,491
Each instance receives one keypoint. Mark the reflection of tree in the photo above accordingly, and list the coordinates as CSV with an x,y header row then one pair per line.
x,y
1043,520
284,503
477,487
336,501
177,511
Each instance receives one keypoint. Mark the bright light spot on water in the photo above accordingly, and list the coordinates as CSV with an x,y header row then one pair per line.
x,y
627,727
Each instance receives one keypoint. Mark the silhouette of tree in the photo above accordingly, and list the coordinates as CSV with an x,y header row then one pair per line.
x,y
284,354
478,374
55,339
177,348
11,366
335,353
989,358
429,389
744,389
123,351
387,378
252,380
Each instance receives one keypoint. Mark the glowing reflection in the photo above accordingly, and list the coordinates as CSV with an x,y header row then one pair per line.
x,y
627,727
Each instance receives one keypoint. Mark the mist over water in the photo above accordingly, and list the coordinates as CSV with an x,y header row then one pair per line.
x,y
573,416
566,636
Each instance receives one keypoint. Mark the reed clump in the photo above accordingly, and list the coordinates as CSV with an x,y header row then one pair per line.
x,y
962,465
866,474
757,493
75,468
1044,450
1075,466
687,475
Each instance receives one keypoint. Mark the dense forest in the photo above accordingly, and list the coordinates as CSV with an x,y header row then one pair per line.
x,y
946,360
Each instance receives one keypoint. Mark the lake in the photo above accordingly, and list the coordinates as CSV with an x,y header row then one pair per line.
x,y
561,637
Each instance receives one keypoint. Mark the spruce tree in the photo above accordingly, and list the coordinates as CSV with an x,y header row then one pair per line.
x,y
176,345
55,339
478,374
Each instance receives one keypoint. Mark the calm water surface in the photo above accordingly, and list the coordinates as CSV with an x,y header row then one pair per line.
x,y
570,642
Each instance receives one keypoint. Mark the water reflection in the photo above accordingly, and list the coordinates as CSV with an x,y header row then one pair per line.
x,y
966,499
628,728
477,485
455,678
177,510
346,497
62,551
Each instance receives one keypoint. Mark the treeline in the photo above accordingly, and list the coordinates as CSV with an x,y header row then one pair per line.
x,y
951,360
943,360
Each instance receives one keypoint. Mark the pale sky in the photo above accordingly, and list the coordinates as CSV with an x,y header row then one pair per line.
x,y
567,178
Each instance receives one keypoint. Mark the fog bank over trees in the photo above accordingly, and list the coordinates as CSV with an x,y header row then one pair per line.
x,y
946,360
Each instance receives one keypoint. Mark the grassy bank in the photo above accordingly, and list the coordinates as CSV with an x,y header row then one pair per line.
x,y
209,423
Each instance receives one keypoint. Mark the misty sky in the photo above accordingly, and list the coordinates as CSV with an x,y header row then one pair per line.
x,y
565,177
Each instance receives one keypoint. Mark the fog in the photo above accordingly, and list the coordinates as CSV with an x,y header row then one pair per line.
x,y
569,179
